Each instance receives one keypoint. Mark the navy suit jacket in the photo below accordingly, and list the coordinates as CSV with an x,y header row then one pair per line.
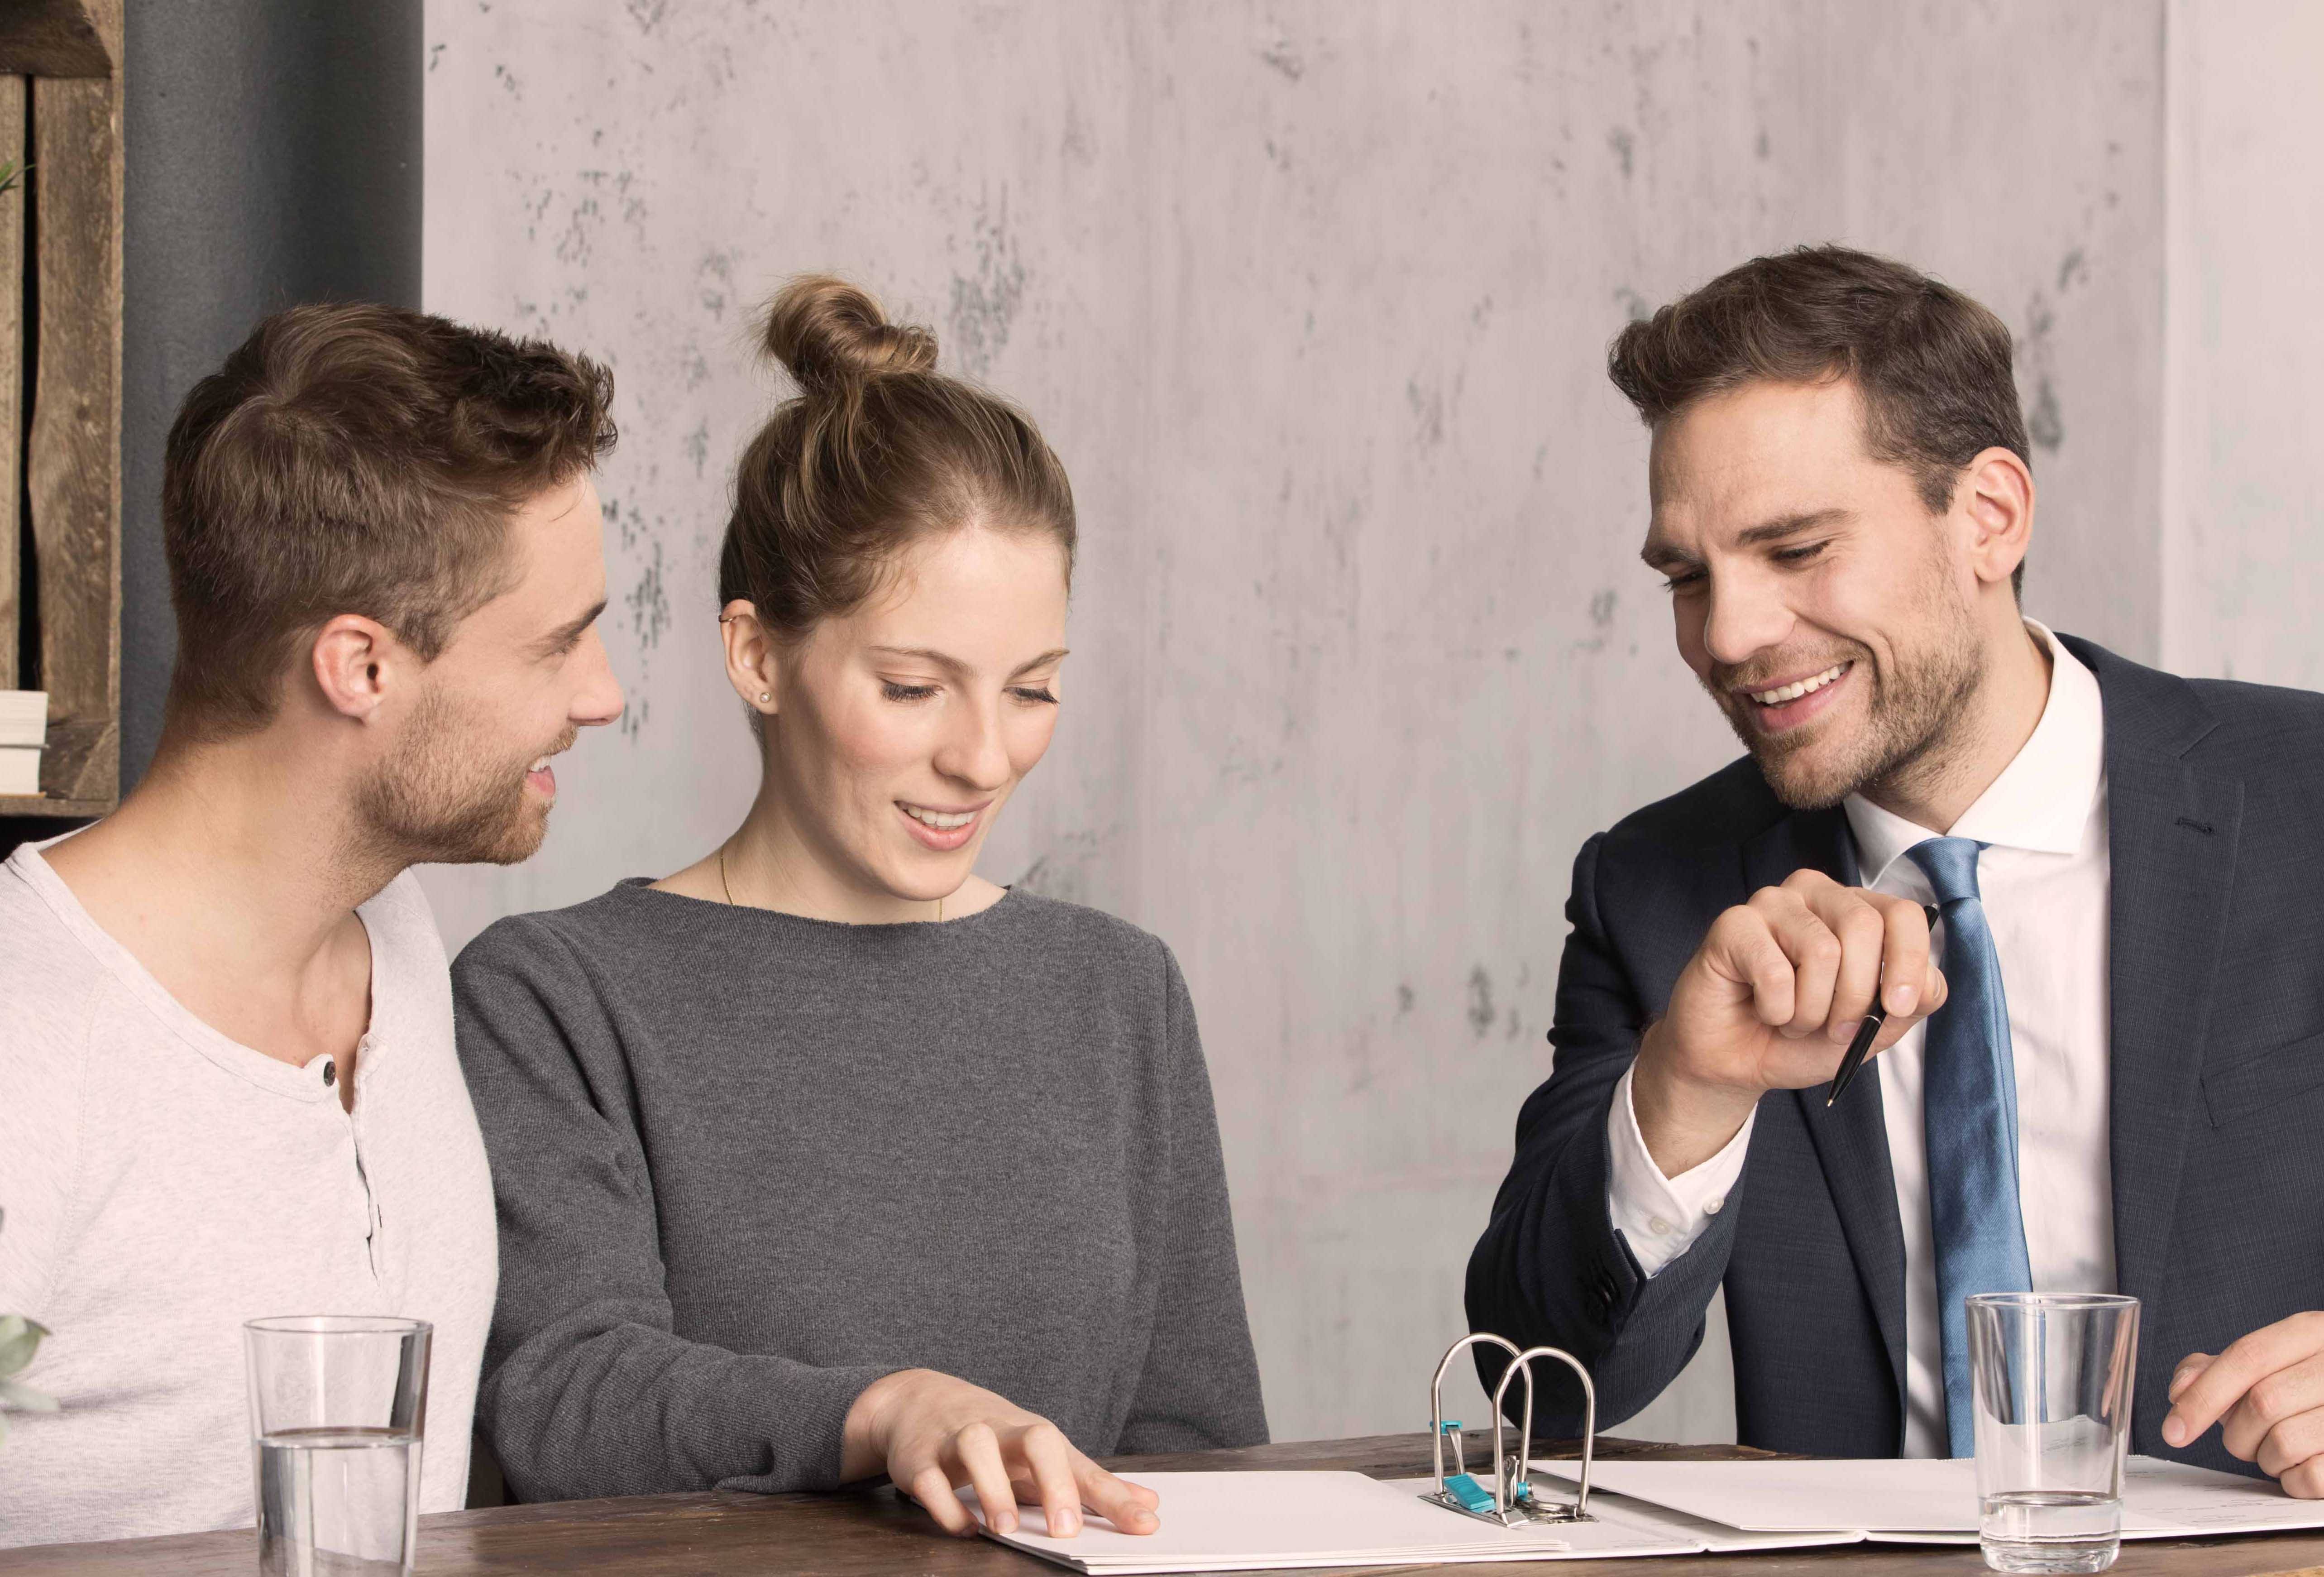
x,y
2216,796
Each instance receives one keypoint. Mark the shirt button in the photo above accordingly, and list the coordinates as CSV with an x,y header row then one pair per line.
x,y
1713,1206
330,1073
1659,1227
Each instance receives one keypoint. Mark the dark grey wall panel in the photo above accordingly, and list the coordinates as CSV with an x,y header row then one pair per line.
x,y
273,154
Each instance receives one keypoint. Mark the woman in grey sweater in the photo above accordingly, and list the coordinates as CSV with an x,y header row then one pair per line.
x,y
824,1157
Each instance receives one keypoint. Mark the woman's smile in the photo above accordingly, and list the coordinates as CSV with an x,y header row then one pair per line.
x,y
940,829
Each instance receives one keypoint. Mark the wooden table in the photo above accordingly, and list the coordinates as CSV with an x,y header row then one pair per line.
x,y
877,1531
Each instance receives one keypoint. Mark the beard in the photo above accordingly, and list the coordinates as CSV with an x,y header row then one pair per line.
x,y
447,796
1915,702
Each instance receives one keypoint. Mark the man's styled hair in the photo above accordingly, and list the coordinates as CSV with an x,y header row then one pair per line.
x,y
355,459
1932,365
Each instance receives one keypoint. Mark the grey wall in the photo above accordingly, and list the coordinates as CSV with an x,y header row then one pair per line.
x,y
2243,515
1313,298
273,155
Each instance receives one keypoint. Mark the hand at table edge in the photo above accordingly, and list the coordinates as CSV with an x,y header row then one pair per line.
x,y
933,1433
2266,1392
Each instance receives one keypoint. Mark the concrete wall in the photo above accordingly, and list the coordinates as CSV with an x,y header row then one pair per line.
x,y
2242,512
1313,299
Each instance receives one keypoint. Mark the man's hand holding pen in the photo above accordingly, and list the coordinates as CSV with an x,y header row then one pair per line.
x,y
1770,1001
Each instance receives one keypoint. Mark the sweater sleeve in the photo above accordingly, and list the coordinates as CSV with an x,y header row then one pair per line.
x,y
1199,1387
587,1391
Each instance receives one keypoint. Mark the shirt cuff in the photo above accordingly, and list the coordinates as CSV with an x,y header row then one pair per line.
x,y
1662,1216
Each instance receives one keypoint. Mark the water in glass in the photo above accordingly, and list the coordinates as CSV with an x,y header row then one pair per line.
x,y
2050,1530
338,1502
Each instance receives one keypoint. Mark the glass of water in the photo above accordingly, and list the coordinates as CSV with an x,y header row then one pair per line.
x,y
337,1405
2052,1374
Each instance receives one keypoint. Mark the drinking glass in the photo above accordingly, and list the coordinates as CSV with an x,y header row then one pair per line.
x,y
337,1405
2052,1374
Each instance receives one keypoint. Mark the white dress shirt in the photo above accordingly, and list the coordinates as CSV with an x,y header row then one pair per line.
x,y
2044,878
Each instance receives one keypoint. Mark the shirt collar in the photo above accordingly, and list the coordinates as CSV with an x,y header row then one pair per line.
x,y
2043,800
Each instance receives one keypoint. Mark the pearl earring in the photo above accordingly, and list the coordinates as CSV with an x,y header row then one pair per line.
x,y
765,696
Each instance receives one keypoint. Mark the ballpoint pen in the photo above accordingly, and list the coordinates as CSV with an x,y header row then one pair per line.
x,y
1867,1033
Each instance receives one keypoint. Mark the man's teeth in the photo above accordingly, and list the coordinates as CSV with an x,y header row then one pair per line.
x,y
1794,691
938,819
542,765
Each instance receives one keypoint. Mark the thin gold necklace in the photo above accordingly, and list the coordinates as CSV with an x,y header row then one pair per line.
x,y
727,888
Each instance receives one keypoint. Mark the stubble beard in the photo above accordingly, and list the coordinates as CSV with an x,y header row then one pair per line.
x,y
445,800
1913,710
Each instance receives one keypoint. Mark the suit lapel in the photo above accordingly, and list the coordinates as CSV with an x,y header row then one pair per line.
x,y
2172,842
1851,1139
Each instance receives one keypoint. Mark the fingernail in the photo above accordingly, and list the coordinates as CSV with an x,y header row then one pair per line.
x,y
1844,1031
2174,1431
1904,997
1064,1524
1792,1032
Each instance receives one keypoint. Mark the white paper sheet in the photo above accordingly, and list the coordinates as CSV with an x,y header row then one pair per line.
x,y
2163,1499
1894,1500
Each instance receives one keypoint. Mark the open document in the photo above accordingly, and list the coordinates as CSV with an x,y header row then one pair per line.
x,y
1931,1500
1282,1521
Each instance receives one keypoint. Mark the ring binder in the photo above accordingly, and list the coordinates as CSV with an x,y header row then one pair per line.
x,y
1511,1502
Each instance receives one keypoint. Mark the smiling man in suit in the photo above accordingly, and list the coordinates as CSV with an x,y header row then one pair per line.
x,y
2105,1071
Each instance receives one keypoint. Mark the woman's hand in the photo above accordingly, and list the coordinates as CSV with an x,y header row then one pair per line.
x,y
934,1433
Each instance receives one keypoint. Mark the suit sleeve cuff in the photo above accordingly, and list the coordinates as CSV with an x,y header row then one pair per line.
x,y
1661,1217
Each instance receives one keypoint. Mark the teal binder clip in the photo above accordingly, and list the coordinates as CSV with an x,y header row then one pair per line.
x,y
1511,1502
1474,1497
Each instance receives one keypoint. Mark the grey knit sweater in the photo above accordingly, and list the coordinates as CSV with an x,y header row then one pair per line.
x,y
747,1163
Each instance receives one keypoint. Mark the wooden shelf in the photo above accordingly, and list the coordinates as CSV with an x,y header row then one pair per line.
x,y
61,61
61,38
43,804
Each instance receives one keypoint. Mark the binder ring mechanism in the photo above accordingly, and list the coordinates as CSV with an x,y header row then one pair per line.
x,y
1511,1502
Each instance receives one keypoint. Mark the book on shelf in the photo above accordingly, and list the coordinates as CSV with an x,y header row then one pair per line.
x,y
24,717
19,769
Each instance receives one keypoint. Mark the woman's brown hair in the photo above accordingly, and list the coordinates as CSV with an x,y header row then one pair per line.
x,y
877,452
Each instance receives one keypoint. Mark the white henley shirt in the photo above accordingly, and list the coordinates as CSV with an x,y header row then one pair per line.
x,y
162,1183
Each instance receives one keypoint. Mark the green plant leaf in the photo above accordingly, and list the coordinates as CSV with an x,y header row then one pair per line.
x,y
24,1398
20,1337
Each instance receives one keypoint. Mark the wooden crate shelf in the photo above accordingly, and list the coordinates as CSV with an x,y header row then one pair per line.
x,y
60,74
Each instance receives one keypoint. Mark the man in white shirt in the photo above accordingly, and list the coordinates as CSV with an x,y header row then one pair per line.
x,y
229,1087
2115,1081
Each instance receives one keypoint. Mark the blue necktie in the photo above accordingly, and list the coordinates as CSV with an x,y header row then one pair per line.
x,y
1968,1087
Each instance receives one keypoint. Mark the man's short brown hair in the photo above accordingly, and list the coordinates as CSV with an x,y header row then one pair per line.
x,y
355,459
1932,365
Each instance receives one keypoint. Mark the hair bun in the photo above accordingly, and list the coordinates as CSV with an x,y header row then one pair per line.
x,y
828,333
